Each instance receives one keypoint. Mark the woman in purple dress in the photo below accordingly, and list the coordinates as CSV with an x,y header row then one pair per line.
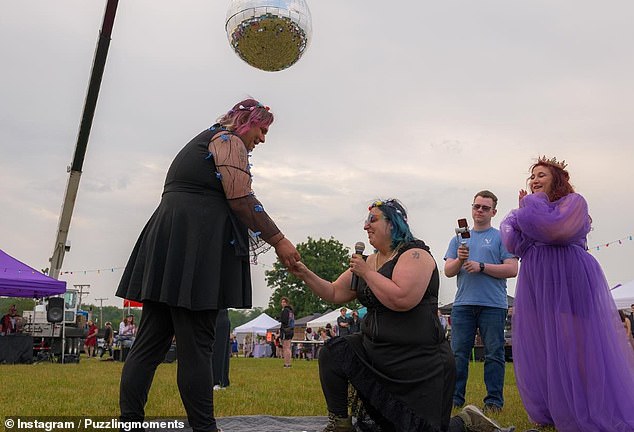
x,y
573,367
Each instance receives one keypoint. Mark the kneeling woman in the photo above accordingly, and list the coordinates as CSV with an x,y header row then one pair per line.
x,y
400,364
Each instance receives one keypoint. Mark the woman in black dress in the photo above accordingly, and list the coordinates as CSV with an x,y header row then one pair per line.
x,y
400,365
192,259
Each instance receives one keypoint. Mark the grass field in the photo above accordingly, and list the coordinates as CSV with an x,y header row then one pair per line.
x,y
258,386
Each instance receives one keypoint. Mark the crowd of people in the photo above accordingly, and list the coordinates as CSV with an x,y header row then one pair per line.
x,y
94,345
99,342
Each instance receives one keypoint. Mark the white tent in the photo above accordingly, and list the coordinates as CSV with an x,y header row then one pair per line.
x,y
329,318
623,295
257,325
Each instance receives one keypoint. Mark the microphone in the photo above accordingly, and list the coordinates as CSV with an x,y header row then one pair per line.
x,y
359,247
462,232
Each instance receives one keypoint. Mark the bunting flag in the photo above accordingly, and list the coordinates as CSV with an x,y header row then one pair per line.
x,y
98,271
605,245
113,269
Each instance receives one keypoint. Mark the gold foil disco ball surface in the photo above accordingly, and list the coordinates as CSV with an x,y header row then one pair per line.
x,y
270,35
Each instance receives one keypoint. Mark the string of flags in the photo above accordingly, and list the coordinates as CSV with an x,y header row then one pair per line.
x,y
605,245
597,247
98,271
83,272
113,269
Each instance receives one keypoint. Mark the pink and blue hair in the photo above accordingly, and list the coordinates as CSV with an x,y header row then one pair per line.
x,y
394,212
245,115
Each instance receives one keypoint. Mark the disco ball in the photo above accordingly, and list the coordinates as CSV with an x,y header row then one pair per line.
x,y
269,34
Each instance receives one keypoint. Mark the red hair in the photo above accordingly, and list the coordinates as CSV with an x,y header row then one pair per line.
x,y
561,180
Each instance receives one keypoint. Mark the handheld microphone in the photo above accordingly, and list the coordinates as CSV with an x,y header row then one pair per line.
x,y
462,233
359,247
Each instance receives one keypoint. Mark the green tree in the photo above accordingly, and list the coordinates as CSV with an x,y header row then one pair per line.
x,y
327,258
21,304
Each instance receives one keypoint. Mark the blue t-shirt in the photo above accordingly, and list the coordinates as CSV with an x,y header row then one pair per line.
x,y
480,289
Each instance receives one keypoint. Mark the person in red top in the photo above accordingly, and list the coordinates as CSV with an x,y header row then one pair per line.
x,y
91,339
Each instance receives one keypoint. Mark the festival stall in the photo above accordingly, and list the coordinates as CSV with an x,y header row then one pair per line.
x,y
19,280
331,318
248,333
328,318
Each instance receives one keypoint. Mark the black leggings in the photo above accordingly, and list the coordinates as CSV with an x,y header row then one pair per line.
x,y
195,332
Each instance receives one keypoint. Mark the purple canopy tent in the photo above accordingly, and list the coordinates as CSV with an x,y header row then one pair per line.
x,y
19,280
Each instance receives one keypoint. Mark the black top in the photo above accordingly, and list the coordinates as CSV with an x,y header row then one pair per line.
x,y
287,321
108,334
406,353
185,255
384,325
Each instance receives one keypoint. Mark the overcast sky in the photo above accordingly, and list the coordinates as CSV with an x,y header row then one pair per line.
x,y
428,102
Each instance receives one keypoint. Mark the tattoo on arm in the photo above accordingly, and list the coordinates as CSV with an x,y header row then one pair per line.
x,y
416,255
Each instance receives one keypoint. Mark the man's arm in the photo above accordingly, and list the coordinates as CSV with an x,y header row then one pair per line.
x,y
453,266
507,269
454,261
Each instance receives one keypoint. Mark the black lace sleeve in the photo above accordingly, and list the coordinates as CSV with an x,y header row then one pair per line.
x,y
233,170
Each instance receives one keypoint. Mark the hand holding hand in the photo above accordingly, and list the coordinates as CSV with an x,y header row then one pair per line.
x,y
287,253
299,270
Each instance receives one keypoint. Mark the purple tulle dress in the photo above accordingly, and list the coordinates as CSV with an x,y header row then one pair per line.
x,y
573,364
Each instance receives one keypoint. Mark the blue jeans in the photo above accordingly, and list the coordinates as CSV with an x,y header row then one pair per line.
x,y
465,320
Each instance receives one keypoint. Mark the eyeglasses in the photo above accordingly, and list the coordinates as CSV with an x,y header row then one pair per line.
x,y
480,206
373,218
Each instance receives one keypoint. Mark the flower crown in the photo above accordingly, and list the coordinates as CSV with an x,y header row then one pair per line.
x,y
552,161
251,108
390,203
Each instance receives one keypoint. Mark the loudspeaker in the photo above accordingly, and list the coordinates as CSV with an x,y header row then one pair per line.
x,y
55,310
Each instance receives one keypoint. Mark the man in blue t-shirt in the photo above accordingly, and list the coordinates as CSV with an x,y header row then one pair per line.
x,y
482,265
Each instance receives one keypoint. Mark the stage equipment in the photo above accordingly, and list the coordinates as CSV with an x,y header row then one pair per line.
x,y
270,35
55,310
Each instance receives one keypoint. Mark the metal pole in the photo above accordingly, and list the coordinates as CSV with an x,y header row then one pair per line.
x,y
100,300
99,63
81,293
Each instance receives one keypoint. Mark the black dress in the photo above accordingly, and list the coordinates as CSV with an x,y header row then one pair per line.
x,y
192,252
401,364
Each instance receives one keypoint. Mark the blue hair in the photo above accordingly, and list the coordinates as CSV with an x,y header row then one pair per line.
x,y
394,212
